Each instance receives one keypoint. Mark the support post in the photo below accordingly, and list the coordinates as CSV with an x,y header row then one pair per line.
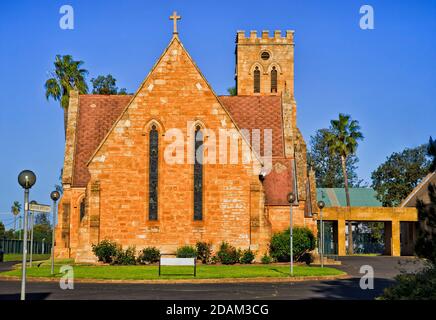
x,y
341,237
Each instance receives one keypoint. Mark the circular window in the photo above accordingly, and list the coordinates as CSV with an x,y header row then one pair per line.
x,y
265,55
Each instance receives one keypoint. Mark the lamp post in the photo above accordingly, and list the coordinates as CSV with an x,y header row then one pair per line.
x,y
32,221
54,195
321,205
291,200
26,179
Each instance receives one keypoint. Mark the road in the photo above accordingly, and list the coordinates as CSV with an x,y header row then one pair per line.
x,y
385,268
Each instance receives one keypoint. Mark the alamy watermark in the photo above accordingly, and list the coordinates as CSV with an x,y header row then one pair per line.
x,y
367,280
367,19
66,22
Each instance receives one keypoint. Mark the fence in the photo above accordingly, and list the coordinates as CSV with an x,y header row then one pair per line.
x,y
16,246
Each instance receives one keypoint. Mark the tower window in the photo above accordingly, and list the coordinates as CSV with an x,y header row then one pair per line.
x,y
153,173
265,55
256,74
198,175
273,80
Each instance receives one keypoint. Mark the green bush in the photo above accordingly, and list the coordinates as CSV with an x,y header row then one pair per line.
x,y
105,250
204,251
418,286
266,259
303,243
247,256
149,255
186,252
228,254
125,257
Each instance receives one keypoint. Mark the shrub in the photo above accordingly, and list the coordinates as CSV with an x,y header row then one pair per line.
x,y
266,259
303,242
149,255
214,260
247,256
186,252
228,254
204,251
105,250
125,257
418,286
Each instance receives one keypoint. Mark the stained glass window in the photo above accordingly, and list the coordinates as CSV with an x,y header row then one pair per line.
x,y
153,173
198,175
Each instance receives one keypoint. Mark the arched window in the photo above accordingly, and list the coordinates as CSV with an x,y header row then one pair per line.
x,y
198,175
82,209
273,80
153,173
256,77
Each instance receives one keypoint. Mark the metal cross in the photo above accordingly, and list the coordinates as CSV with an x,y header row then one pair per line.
x,y
175,17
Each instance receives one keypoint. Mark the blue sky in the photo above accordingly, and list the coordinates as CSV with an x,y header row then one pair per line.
x,y
385,77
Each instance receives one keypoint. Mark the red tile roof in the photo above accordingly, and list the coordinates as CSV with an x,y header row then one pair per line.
x,y
97,114
258,112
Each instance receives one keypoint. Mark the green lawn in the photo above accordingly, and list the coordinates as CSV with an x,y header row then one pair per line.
x,y
151,272
19,257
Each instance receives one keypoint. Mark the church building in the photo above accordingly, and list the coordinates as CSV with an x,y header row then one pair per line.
x,y
174,163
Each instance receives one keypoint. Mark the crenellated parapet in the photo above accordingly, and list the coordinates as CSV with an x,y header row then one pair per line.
x,y
265,37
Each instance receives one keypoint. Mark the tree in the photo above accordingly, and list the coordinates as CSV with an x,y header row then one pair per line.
x,y
327,166
399,174
342,140
431,152
232,91
106,85
425,246
66,76
2,230
15,209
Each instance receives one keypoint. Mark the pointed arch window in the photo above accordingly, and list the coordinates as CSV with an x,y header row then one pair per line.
x,y
198,174
153,173
82,209
273,80
256,78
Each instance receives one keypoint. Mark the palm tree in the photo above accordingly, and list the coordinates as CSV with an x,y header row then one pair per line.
x,y
15,209
342,141
67,76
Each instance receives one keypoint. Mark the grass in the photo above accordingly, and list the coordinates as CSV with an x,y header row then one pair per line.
x,y
151,272
19,257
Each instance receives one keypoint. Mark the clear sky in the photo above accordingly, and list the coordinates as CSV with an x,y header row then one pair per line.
x,y
385,77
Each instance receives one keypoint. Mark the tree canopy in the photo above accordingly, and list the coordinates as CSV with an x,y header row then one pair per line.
x,y
399,174
106,85
327,166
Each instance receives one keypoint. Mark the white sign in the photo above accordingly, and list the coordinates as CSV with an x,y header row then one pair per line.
x,y
40,208
177,261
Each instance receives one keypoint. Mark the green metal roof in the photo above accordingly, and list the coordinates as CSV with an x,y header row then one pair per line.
x,y
359,197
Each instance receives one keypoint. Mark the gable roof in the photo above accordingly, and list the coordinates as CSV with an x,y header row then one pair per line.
x,y
97,114
359,197
420,192
259,112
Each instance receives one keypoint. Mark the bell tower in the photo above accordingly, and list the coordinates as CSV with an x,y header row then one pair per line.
x,y
264,65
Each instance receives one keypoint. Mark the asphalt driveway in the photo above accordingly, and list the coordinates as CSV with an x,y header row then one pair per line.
x,y
385,268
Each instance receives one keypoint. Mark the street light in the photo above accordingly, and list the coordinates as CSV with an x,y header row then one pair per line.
x,y
32,222
291,200
54,195
26,179
321,205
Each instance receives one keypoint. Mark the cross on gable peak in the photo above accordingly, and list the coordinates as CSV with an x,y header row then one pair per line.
x,y
175,17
